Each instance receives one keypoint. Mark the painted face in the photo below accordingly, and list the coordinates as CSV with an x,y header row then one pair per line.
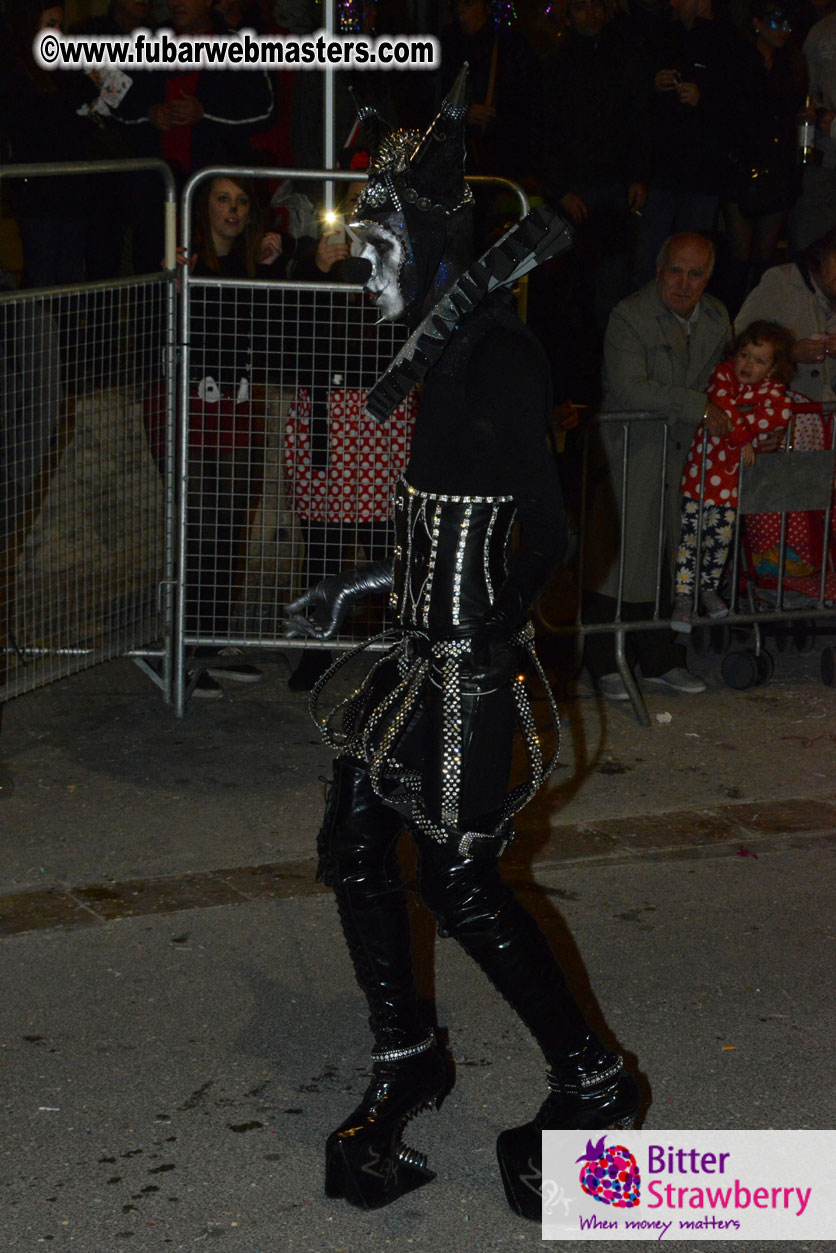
x,y
682,277
386,254
52,18
753,363
229,212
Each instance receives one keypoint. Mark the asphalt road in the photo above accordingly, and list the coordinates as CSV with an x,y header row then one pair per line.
x,y
181,1028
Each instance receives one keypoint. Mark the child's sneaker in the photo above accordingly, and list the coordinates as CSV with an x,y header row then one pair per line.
x,y
681,616
714,605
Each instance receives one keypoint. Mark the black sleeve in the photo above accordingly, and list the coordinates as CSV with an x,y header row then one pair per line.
x,y
509,383
236,98
147,89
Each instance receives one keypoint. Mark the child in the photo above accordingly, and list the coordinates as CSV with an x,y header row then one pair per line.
x,y
750,388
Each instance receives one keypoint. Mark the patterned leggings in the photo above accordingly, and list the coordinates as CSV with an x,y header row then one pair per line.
x,y
716,537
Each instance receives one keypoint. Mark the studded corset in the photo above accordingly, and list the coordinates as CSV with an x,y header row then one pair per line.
x,y
414,718
450,558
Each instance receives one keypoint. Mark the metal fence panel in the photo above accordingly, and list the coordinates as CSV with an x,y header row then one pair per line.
x,y
82,503
86,517
282,479
625,528
623,492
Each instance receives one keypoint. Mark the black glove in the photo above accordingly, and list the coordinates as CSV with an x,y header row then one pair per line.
x,y
493,660
491,654
330,600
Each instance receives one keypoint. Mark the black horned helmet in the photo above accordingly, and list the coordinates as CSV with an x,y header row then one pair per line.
x,y
408,168
417,192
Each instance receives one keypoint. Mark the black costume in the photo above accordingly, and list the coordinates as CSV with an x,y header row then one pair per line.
x,y
440,750
427,738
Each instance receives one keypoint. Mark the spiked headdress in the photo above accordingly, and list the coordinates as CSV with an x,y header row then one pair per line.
x,y
417,192
421,172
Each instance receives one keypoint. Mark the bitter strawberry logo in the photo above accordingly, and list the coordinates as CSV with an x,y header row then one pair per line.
x,y
610,1174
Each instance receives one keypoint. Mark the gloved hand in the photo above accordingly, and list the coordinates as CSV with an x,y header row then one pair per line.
x,y
329,601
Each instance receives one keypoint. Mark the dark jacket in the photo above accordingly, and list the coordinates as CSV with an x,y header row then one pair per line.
x,y
236,103
40,123
691,144
228,327
595,116
510,145
765,138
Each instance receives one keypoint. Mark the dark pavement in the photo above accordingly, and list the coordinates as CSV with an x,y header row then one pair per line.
x,y
181,1028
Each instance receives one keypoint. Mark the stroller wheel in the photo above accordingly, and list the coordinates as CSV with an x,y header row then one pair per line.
x,y
804,635
766,667
740,669
828,666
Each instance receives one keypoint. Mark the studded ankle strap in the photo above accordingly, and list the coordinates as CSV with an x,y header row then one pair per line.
x,y
398,1055
586,1083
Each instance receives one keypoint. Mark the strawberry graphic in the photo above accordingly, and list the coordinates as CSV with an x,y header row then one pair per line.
x,y
610,1174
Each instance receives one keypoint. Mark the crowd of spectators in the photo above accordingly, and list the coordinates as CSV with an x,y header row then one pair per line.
x,y
638,118
709,121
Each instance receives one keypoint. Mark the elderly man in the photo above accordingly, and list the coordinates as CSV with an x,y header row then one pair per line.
x,y
660,348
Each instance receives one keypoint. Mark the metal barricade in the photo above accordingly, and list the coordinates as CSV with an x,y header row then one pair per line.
x,y
627,512
282,479
86,516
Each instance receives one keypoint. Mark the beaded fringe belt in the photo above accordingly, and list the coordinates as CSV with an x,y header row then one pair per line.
x,y
372,734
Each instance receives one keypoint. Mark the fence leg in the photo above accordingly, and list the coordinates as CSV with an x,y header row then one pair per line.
x,y
636,698
181,695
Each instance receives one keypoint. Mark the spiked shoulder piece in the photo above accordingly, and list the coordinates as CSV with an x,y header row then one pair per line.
x,y
542,234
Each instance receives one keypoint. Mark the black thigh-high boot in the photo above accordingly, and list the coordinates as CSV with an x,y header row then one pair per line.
x,y
589,1087
366,1160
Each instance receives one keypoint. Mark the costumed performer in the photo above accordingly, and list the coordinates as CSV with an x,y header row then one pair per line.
x,y
426,740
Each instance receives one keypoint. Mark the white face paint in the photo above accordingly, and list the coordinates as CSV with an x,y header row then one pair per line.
x,y
385,253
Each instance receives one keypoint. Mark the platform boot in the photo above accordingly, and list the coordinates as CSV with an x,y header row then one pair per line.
x,y
589,1087
366,1160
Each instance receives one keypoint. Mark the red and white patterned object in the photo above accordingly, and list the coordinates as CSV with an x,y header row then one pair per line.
x,y
365,458
754,411
805,528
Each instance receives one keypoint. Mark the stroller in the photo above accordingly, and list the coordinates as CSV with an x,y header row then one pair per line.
x,y
787,534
